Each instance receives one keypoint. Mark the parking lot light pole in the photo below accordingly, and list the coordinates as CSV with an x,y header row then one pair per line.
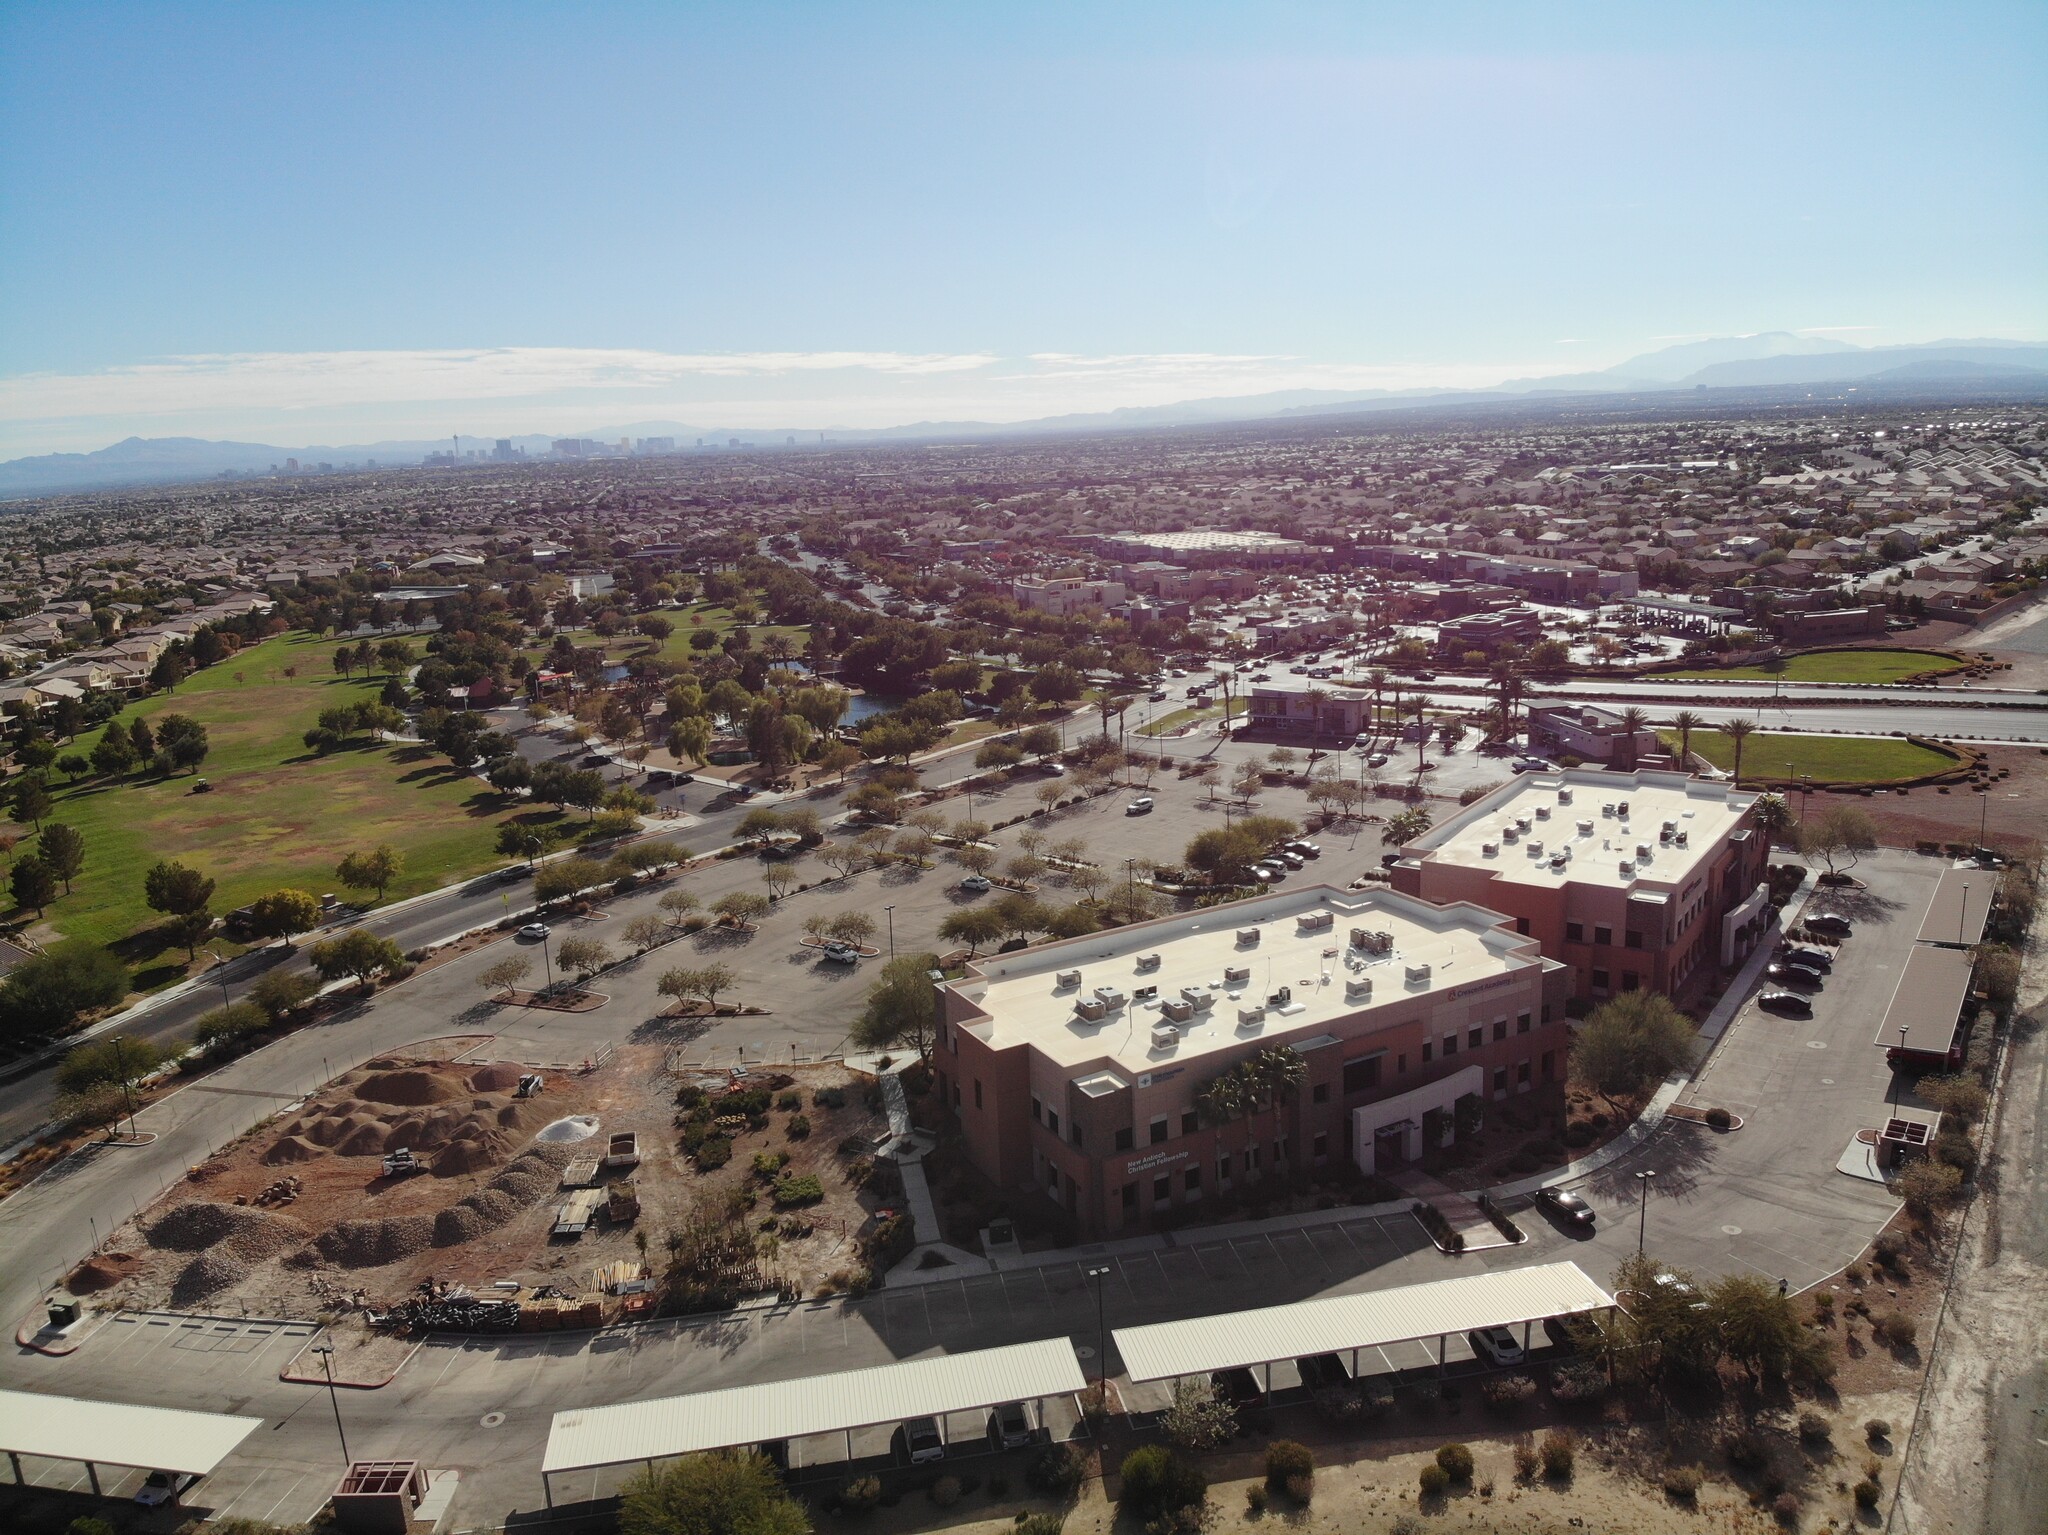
x,y
1100,1274
1643,1207
1894,1100
326,1353
892,930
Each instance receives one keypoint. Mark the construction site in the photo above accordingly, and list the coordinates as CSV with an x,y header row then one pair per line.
x,y
452,1194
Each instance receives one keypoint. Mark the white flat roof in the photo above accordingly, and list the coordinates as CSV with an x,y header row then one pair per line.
x,y
1703,811
1020,992
587,1437
116,1434
1232,1340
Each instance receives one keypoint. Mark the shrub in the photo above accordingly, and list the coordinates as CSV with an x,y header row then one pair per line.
x,y
828,1098
1877,1429
225,1027
1302,1488
1899,1330
1255,1498
1508,1392
1580,1381
1720,1119
860,1495
799,1127
1786,1507
798,1189
1405,1524
713,1152
1433,1479
1456,1460
946,1491
1526,1462
1059,1471
1813,1428
769,1163
1159,1481
1745,1450
789,1100
1867,1493
86,1524
1683,1483
1286,1459
1559,1451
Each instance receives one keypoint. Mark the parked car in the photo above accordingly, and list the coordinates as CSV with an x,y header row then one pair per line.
x,y
921,1442
1566,1206
1239,1387
1789,1003
842,954
1306,849
1142,805
1811,957
1533,765
1009,1428
1829,922
1323,1372
1790,973
161,1487
1158,695
1292,859
534,931
1377,759
1496,1344
977,883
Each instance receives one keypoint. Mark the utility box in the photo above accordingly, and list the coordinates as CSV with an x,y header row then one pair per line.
x,y
379,1497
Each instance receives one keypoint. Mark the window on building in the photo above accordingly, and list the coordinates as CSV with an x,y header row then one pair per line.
x,y
1052,1177
1500,1028
1522,1023
1522,1073
1130,1198
1475,1037
1603,935
1362,1076
1251,1158
1401,1064
1191,1180
1162,1189
1319,1147
1549,1064
1635,939
1450,1046
1575,932
1546,1012
1628,980
956,1095
1124,1137
1190,1122
1158,1130
1052,1120
1522,926
1280,1148
1037,1112
1074,1133
1320,1093
1600,980
1427,1052
1500,1080
1223,1167
977,1092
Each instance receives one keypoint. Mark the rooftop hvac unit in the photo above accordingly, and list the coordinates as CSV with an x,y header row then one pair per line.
x,y
1585,828
1068,978
1236,975
1281,997
1682,838
1628,868
1197,996
1316,921
1247,935
1622,810
1109,996
1666,832
1564,796
1642,852
1417,974
1521,823
1358,989
1542,812
1510,834
1179,1012
1607,810
1089,1008
1148,961
1145,993
1489,850
1558,861
1250,1015
1536,848
1165,1036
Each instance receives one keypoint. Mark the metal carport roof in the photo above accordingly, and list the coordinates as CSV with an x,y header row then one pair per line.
x,y
1960,908
1231,1340
115,1434
585,1438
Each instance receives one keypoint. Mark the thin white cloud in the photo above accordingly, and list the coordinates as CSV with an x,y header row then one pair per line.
x,y
1822,330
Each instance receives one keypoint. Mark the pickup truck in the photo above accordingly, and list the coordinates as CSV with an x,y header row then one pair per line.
x,y
623,1150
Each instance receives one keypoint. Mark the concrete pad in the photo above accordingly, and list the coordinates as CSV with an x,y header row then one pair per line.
x,y
1859,1160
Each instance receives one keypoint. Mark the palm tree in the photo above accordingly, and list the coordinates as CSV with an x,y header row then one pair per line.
x,y
1773,817
1419,709
1315,698
1633,719
1685,722
1509,681
1376,679
1738,731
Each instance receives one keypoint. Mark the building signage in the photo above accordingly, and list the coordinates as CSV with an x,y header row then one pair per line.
x,y
1154,1078
1474,988
1157,1159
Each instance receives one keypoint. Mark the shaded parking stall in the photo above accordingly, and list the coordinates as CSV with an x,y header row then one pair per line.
x,y
184,1445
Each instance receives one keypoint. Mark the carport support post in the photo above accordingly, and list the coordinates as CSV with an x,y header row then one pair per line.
x,y
92,1475
14,1460
1439,1353
1525,1336
547,1488
849,1444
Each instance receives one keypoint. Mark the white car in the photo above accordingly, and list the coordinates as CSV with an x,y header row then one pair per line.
x,y
161,1487
534,931
921,1441
1142,805
842,954
977,883
1496,1344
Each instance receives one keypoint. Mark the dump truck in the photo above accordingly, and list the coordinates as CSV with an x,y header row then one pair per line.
x,y
622,1203
623,1150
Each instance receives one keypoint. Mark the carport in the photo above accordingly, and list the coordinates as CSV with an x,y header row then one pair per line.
x,y
1352,1324
113,1434
1922,1028
594,1438
1961,907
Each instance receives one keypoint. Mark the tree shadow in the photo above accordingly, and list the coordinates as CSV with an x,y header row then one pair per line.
x,y
1681,1155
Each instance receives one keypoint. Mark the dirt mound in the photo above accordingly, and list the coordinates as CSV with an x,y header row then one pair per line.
x,y
371,1244
456,1225
100,1272
533,1175
292,1148
207,1274
501,1078
528,1183
411,1088
522,1114
471,1154
369,1139
198,1225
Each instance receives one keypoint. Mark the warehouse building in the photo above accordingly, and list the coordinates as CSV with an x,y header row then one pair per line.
x,y
1117,1074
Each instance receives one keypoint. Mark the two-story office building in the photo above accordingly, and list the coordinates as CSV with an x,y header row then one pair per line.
x,y
1083,1070
1634,880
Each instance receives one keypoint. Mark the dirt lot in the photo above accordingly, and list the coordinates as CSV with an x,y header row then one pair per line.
x,y
297,1219
2009,812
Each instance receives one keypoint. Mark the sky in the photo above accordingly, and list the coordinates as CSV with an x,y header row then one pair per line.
x,y
330,223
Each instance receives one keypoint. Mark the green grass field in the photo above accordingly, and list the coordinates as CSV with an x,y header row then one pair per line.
x,y
278,815
1861,666
1830,759
1179,717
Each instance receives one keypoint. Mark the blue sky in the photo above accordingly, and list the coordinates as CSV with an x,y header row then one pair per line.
x,y
303,223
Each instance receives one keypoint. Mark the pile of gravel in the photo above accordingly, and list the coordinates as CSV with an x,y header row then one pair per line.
x,y
414,1087
533,1175
372,1244
200,1226
208,1274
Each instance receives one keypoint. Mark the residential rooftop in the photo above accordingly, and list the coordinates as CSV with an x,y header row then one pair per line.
x,y
1589,827
1303,944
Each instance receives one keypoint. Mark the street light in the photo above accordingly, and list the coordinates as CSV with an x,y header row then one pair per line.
x,y
1643,1179
326,1353
1983,810
892,930
220,963
1893,1097
1100,1273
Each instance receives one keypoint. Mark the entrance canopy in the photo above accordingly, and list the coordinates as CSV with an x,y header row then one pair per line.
x,y
591,1437
1234,1340
113,1434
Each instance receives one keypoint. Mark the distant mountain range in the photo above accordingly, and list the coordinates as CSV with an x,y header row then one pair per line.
x,y
1768,360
